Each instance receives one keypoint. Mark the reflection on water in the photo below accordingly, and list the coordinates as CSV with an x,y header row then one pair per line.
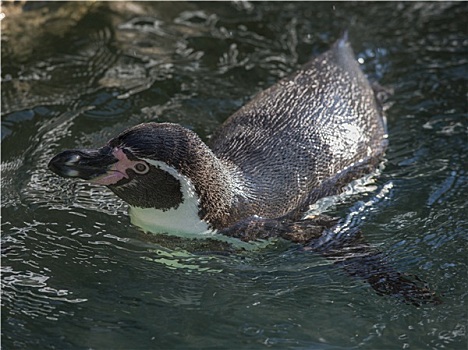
x,y
77,274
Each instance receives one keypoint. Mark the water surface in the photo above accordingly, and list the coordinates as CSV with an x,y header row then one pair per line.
x,y
77,275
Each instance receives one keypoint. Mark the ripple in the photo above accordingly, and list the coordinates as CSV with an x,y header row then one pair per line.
x,y
28,293
448,188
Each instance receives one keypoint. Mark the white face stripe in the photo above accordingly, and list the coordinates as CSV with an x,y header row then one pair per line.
x,y
182,220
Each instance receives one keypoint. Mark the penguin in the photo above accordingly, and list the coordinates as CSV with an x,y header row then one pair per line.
x,y
302,139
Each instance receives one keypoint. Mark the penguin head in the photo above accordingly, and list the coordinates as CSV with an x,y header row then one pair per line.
x,y
145,165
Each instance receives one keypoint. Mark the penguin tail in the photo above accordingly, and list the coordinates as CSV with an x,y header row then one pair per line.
x,y
344,39
344,36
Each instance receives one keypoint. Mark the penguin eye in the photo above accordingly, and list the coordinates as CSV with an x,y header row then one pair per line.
x,y
141,168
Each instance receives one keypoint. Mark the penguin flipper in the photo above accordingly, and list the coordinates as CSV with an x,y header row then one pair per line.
x,y
347,249
302,231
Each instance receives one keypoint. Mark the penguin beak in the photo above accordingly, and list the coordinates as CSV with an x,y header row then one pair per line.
x,y
84,164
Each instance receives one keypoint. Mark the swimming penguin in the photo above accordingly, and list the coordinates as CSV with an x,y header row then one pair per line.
x,y
302,139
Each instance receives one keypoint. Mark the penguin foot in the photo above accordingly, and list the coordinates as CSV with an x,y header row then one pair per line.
x,y
413,292
387,281
358,259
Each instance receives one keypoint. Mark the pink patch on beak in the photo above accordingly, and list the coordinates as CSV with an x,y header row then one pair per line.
x,y
117,171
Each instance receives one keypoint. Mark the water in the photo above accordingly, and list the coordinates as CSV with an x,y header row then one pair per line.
x,y
77,275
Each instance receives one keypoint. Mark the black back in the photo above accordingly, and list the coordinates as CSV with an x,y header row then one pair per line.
x,y
305,136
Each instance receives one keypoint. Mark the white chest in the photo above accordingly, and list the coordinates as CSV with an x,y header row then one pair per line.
x,y
183,220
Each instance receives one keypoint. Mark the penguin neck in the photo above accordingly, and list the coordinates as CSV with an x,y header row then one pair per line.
x,y
182,220
212,191
218,184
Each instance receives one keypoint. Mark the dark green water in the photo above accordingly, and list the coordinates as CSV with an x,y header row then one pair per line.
x,y
77,275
